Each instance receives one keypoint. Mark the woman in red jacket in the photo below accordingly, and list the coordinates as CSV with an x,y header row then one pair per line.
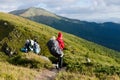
x,y
61,45
60,40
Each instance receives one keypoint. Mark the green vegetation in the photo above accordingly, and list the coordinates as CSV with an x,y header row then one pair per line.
x,y
105,63
12,72
76,76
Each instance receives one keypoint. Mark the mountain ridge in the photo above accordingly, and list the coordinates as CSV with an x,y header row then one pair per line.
x,y
32,11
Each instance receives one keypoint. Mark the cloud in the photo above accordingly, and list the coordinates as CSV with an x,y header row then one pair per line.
x,y
96,10
79,9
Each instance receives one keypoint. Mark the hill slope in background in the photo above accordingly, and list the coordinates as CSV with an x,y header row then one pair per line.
x,y
105,63
106,34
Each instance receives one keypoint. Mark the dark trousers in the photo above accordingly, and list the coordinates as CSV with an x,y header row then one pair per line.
x,y
60,62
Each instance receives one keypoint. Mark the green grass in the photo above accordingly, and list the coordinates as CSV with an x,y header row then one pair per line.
x,y
14,72
76,76
30,60
11,72
104,61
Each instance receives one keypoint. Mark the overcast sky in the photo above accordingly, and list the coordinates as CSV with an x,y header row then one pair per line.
x,y
88,10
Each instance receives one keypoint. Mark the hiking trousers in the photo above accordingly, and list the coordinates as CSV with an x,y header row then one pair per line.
x,y
60,62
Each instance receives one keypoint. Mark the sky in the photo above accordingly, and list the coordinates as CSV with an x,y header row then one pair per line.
x,y
86,10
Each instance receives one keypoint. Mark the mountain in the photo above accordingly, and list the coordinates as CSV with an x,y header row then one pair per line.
x,y
106,34
105,63
37,14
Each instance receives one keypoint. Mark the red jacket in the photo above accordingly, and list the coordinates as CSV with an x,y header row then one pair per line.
x,y
60,40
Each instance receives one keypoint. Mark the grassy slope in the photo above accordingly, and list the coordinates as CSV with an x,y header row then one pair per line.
x,y
75,52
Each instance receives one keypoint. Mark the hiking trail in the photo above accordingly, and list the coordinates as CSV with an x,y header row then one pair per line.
x,y
46,74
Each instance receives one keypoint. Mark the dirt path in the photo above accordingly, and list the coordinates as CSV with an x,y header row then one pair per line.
x,y
47,74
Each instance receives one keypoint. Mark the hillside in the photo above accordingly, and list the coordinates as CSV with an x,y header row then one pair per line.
x,y
105,63
106,34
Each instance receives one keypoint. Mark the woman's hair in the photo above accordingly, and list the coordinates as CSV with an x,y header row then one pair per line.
x,y
53,38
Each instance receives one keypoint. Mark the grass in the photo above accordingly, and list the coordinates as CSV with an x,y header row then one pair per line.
x,y
11,72
14,72
24,67
76,76
30,60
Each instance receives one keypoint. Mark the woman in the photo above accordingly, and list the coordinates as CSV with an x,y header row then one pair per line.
x,y
61,45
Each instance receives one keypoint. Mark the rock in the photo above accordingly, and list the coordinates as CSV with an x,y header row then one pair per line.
x,y
45,58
